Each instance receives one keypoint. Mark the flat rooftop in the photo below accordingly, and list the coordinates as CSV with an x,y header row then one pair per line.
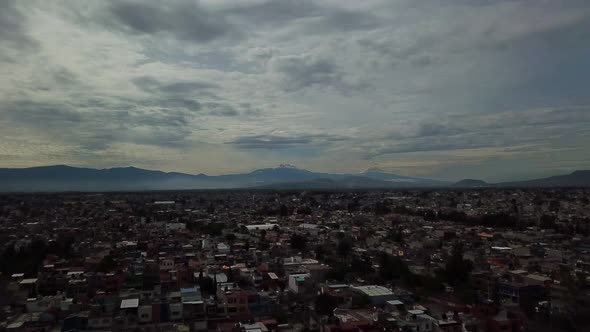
x,y
129,303
374,290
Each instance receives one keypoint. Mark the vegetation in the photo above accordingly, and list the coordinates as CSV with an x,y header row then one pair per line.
x,y
28,258
298,242
325,304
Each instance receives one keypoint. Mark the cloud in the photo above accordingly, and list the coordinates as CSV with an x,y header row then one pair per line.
x,y
13,32
317,16
284,142
93,130
269,142
184,20
305,71
180,94
251,82
219,109
473,131
150,84
297,72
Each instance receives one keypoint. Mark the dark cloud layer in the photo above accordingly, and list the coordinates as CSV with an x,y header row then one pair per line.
x,y
270,142
185,94
150,84
186,21
501,130
318,18
97,128
374,82
14,35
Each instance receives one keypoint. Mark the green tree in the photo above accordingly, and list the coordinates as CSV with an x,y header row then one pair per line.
x,y
548,222
325,304
230,237
107,264
344,248
298,242
391,267
283,210
457,269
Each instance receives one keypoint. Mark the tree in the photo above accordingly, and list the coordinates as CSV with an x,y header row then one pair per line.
x,y
207,285
391,267
298,242
548,222
27,260
325,304
554,206
213,229
361,265
230,237
381,209
243,229
319,252
396,235
62,246
338,272
360,300
107,264
457,269
283,210
344,248
305,210
353,206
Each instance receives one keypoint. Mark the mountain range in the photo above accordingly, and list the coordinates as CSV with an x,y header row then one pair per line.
x,y
68,178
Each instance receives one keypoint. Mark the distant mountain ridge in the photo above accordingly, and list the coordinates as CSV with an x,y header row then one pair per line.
x,y
470,183
67,178
579,178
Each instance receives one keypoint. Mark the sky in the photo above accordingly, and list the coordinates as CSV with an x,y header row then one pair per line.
x,y
490,89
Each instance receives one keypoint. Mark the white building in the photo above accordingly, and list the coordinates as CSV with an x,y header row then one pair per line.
x,y
296,281
175,311
223,248
175,226
378,295
167,264
144,314
260,227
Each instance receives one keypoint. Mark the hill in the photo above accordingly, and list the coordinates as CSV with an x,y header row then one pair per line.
x,y
470,183
575,179
68,178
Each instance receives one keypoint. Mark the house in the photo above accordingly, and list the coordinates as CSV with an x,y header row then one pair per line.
x,y
260,227
297,281
378,295
520,292
418,321
166,264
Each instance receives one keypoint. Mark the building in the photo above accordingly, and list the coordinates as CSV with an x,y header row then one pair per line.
x,y
297,282
378,295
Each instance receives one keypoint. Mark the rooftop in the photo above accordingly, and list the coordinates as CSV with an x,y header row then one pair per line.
x,y
374,290
28,281
129,303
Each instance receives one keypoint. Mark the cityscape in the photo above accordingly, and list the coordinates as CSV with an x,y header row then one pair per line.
x,y
265,260
295,166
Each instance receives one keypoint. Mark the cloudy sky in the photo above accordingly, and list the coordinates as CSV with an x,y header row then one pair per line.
x,y
492,89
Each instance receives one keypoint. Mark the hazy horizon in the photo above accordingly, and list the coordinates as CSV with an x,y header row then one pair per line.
x,y
450,180
487,89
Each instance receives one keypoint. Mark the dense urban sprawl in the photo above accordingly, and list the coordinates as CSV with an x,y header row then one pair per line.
x,y
256,261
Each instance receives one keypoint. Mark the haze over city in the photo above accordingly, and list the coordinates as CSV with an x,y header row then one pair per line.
x,y
493,90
